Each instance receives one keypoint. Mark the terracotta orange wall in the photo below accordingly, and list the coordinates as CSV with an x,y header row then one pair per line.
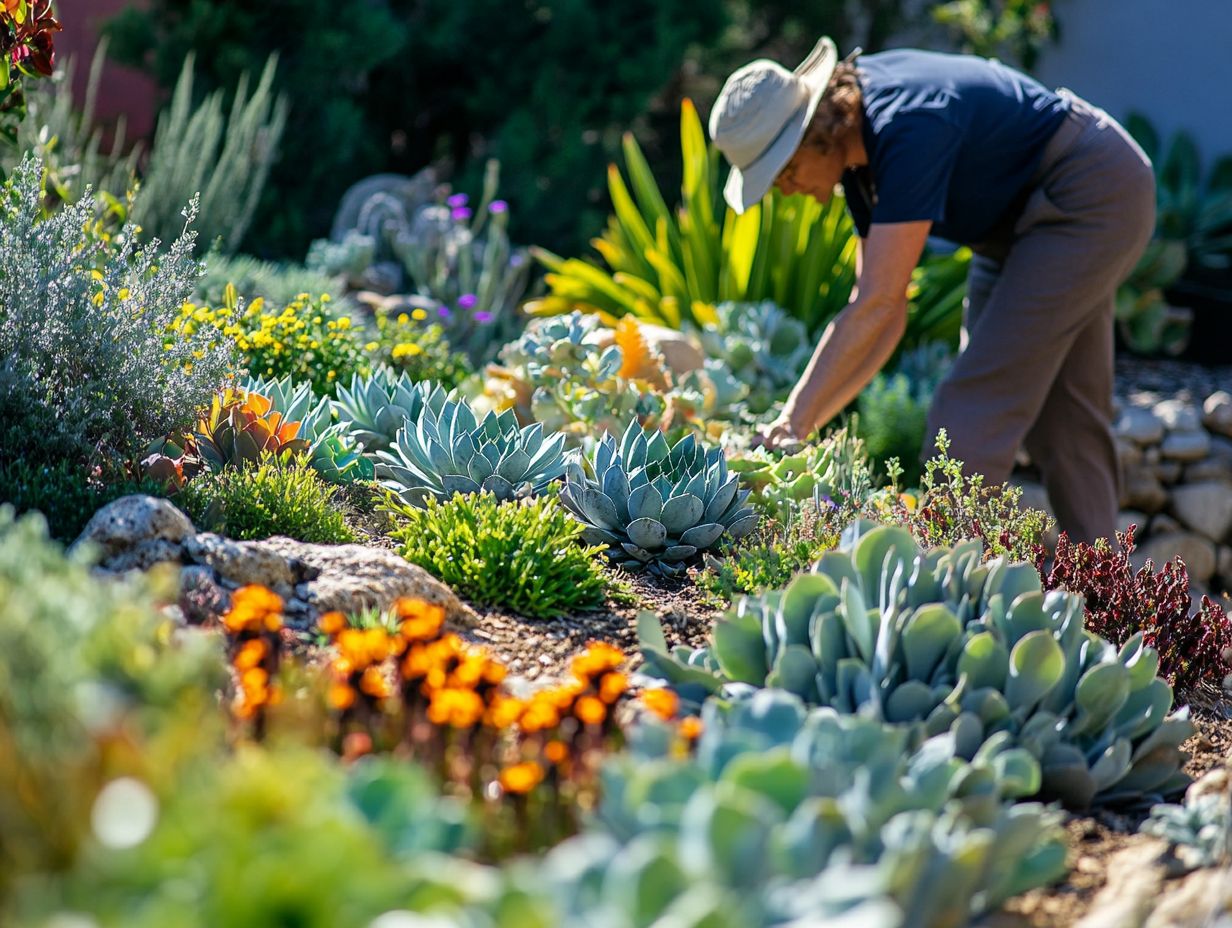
x,y
123,91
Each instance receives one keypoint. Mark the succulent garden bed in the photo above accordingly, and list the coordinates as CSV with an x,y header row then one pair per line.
x,y
474,602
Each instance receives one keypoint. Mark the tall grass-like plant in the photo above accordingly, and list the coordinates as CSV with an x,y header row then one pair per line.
x,y
86,369
224,157
669,267
61,130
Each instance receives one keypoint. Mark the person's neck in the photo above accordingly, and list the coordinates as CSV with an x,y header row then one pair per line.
x,y
853,144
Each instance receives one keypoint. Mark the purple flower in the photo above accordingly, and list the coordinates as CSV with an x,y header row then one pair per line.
x,y
444,312
457,201
467,301
461,213
498,206
482,316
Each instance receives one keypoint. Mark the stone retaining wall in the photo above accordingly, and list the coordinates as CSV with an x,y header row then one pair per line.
x,y
1176,459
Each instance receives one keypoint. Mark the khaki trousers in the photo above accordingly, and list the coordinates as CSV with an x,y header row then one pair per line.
x,y
1036,369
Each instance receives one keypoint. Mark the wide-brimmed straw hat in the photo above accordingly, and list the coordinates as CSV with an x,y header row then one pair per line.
x,y
760,118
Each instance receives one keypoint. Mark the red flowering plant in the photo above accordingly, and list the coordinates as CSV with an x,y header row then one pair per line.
x,y
1194,645
27,49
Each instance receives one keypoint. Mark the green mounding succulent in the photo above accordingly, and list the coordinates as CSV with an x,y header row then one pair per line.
x,y
448,450
376,407
761,345
942,640
332,450
836,466
778,804
1200,830
652,505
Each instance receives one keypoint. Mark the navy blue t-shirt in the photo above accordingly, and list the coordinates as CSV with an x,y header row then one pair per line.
x,y
950,138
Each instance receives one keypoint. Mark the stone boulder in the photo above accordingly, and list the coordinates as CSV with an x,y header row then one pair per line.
x,y
135,533
1205,507
240,563
1217,413
351,578
1140,426
1197,553
1178,415
1186,446
1142,490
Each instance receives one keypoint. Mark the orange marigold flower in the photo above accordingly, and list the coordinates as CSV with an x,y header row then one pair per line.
x,y
364,646
331,623
557,752
456,708
424,625
250,654
613,686
539,716
503,712
374,683
494,673
691,728
599,657
252,608
563,696
521,778
590,710
662,702
341,697
254,679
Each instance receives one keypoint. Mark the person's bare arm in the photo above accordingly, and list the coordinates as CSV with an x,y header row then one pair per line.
x,y
862,337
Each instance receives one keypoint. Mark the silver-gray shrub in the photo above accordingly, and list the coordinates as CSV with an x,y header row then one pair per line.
x,y
88,369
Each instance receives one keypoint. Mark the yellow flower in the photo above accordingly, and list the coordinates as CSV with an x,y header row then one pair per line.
x,y
403,319
419,315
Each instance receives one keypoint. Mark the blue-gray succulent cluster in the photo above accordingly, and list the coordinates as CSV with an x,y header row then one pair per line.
x,y
783,815
374,408
942,640
447,449
333,450
653,505
1200,829
762,346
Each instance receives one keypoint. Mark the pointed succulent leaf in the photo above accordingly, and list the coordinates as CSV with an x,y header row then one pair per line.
x,y
702,536
649,534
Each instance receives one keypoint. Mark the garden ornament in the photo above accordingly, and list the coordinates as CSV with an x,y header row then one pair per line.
x,y
760,118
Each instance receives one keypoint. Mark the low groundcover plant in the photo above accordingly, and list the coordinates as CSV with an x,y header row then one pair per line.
x,y
518,555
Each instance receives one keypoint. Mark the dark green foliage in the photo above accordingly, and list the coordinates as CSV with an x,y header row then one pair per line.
x,y
892,420
521,555
326,56
250,503
65,493
545,86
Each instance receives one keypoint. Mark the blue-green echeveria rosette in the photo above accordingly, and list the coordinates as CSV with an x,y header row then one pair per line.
x,y
451,450
655,505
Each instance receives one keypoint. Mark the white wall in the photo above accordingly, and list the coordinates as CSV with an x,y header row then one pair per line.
x,y
1168,59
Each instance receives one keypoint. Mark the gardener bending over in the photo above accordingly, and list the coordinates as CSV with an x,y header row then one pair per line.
x,y
1052,195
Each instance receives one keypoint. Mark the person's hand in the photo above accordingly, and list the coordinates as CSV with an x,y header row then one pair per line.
x,y
775,435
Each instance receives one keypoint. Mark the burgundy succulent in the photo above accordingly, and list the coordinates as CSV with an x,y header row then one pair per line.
x,y
1194,645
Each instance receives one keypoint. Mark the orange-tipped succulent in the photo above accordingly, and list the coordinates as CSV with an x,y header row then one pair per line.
x,y
241,428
